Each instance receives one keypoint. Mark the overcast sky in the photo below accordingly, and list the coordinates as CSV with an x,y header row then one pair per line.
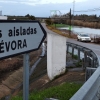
x,y
43,8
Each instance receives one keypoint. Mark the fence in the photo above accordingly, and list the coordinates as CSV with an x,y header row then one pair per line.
x,y
91,88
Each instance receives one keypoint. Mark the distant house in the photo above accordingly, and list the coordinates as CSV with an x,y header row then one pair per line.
x,y
3,17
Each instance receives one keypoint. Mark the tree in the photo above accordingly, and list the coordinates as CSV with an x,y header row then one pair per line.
x,y
30,17
48,21
27,15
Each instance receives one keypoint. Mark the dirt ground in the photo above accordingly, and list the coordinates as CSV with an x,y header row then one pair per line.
x,y
39,79
11,72
70,76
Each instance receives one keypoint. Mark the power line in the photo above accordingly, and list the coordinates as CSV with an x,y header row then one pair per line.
x,y
89,10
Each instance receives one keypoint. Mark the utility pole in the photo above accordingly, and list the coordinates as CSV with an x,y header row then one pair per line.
x,y
55,18
70,23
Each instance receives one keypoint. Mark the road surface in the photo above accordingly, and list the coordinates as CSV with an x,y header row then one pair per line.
x,y
94,47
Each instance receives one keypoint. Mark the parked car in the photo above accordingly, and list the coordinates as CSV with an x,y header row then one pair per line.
x,y
83,37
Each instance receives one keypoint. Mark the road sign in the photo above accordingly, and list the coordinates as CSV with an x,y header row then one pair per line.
x,y
17,37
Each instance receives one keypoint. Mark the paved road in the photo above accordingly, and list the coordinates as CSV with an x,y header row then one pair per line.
x,y
94,47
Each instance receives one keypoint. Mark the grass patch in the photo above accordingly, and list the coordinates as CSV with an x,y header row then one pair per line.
x,y
74,56
59,25
79,64
62,92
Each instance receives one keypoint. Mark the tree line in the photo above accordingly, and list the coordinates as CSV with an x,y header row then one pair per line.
x,y
26,17
92,21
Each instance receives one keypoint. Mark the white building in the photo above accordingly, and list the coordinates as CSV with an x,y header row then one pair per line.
x,y
2,17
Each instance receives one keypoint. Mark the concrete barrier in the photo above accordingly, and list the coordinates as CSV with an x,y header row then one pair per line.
x,y
56,55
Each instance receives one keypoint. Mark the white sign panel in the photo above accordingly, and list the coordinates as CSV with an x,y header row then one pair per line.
x,y
18,37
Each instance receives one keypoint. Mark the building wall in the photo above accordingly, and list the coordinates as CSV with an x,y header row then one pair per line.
x,y
3,17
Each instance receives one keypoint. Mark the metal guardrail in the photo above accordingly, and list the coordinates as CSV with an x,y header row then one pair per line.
x,y
90,58
90,62
91,88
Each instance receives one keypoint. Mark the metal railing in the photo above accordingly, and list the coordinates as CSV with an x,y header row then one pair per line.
x,y
90,58
91,88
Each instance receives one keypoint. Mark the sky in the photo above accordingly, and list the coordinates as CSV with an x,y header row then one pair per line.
x,y
45,8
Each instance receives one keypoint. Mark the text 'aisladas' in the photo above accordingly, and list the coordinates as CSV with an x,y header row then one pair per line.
x,y
21,31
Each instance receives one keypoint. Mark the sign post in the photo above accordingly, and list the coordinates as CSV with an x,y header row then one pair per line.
x,y
26,77
21,37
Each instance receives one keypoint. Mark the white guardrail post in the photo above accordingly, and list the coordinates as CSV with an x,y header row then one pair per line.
x,y
56,55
